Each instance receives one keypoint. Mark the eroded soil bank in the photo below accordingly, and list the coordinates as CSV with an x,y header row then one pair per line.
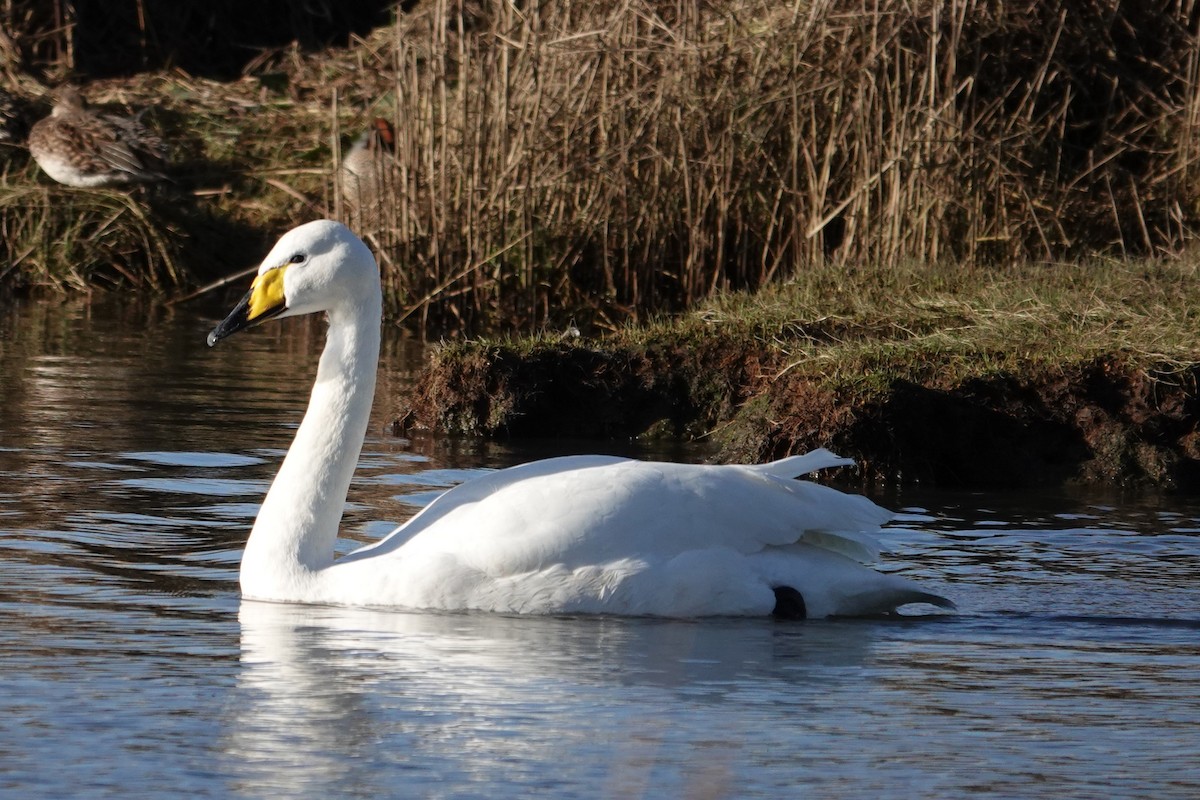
x,y
1104,421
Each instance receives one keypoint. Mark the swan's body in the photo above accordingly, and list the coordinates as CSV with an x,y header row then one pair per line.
x,y
585,534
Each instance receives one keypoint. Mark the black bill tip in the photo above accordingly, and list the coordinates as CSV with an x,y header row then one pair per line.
x,y
237,319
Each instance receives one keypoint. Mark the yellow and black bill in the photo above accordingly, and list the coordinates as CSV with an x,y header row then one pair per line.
x,y
264,300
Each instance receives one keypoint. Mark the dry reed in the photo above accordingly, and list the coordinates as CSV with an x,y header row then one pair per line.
x,y
606,160
603,160
63,239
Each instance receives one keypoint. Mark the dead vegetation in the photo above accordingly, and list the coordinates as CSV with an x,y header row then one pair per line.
x,y
66,240
604,161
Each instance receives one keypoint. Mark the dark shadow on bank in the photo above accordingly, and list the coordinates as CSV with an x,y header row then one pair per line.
x,y
1001,433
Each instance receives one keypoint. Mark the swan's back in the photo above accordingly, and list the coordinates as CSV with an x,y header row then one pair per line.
x,y
579,510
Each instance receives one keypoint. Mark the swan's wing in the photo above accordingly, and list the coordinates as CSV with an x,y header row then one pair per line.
x,y
846,527
580,511
471,492
833,520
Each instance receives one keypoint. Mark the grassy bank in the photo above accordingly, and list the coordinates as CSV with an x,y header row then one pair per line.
x,y
941,374
247,162
610,160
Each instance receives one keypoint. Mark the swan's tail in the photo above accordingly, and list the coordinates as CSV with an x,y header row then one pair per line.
x,y
933,600
888,600
795,466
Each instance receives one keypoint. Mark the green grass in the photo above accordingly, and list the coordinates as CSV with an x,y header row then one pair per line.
x,y
856,332
941,324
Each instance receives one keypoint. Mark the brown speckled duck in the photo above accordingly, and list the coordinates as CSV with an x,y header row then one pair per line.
x,y
366,176
79,147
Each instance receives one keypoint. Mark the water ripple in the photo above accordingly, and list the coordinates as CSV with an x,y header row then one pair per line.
x,y
131,668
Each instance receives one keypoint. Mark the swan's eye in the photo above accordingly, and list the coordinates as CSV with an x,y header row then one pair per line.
x,y
297,259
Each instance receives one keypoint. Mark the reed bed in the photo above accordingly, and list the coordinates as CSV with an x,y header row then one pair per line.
x,y
608,160
63,240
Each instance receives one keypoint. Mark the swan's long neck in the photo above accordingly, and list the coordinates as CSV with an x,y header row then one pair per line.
x,y
294,534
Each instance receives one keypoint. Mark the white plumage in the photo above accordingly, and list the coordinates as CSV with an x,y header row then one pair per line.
x,y
581,534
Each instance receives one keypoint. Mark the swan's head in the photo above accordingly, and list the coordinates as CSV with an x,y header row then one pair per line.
x,y
319,266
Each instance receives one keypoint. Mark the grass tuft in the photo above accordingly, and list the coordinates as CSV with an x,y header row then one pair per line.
x,y
67,240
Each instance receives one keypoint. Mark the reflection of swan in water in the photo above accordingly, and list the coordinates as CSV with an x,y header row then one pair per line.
x,y
475,701
589,534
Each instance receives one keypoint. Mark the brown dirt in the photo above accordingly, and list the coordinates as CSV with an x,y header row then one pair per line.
x,y
1103,422
556,390
1096,423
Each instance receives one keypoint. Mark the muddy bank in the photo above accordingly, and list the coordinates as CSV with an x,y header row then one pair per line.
x,y
1105,421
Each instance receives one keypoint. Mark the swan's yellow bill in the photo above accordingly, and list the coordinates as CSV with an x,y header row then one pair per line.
x,y
266,294
264,300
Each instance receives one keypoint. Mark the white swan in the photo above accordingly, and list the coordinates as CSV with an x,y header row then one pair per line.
x,y
584,534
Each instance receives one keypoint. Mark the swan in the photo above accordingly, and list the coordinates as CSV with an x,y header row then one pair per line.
x,y
577,534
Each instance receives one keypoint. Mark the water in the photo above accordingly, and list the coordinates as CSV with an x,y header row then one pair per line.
x,y
132,459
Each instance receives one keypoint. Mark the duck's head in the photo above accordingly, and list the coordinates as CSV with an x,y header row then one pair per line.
x,y
67,100
382,134
379,137
319,266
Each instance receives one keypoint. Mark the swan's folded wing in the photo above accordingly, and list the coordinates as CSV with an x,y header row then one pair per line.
x,y
589,510
847,523
473,492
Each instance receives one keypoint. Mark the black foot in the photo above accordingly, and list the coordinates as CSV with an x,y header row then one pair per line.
x,y
788,604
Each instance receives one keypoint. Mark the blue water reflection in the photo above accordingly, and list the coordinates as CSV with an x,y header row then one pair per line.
x,y
132,460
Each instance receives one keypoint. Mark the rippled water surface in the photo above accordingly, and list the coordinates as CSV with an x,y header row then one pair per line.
x,y
132,460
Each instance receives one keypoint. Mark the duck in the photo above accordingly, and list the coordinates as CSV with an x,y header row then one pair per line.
x,y
79,147
587,534
366,176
